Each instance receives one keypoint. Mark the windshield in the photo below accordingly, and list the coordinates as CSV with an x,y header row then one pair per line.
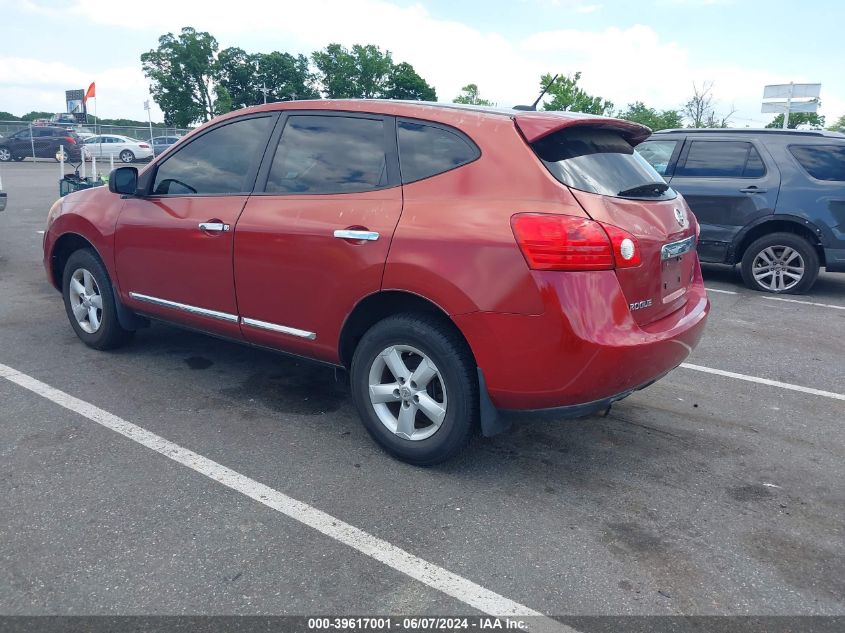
x,y
600,161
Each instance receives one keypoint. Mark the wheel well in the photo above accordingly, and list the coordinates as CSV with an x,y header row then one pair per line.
x,y
779,226
65,246
376,307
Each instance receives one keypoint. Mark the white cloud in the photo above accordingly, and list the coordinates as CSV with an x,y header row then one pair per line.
x,y
40,85
621,64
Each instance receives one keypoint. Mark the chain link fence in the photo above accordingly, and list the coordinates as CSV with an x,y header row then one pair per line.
x,y
7,128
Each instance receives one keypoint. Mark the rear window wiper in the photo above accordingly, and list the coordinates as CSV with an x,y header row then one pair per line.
x,y
648,189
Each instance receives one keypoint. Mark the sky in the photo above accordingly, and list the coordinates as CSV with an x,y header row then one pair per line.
x,y
639,50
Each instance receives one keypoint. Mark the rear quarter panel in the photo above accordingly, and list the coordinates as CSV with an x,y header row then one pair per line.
x,y
454,244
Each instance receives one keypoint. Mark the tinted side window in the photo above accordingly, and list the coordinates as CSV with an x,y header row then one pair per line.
x,y
219,161
658,154
754,167
329,154
717,159
822,162
425,150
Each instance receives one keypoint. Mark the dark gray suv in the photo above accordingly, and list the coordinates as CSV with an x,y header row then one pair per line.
x,y
770,200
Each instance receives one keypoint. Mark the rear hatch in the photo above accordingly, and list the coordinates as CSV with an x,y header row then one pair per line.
x,y
617,187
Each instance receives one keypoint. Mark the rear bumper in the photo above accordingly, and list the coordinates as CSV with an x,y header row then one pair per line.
x,y
585,351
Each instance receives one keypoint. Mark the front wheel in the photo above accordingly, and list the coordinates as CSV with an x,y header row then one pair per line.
x,y
126,156
415,386
5,154
782,263
90,303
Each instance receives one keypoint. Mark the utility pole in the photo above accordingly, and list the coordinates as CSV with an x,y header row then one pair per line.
x,y
788,104
149,120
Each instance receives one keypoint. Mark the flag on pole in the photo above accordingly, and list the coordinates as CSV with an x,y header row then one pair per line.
x,y
91,93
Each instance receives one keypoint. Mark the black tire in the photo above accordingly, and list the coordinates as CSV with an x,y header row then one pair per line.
x,y
109,334
127,157
5,155
444,346
778,242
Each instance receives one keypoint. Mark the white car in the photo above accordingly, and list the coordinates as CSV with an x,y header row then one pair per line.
x,y
123,148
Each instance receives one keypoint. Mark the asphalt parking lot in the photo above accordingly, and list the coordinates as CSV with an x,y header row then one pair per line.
x,y
705,494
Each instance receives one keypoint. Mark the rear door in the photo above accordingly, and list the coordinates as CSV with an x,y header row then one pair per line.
x,y
728,184
315,240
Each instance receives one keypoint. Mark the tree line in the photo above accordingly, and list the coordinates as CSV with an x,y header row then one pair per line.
x,y
192,81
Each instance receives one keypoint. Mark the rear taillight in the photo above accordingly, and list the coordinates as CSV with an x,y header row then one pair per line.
x,y
562,242
626,250
565,242
70,140
143,145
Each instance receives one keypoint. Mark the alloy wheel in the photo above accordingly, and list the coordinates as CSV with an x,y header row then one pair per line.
x,y
407,392
86,301
778,268
5,154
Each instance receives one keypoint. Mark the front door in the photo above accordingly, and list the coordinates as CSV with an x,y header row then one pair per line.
x,y
728,184
173,246
315,241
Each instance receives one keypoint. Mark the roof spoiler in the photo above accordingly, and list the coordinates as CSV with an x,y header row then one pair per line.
x,y
536,125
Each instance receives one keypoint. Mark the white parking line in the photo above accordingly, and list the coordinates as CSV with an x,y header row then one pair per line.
x,y
427,573
806,303
724,292
764,381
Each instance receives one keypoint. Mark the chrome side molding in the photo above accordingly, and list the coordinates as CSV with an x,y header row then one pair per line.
x,y
274,327
184,307
676,249
224,316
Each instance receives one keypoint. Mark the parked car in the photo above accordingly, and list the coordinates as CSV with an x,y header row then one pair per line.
x,y
463,264
63,119
46,141
124,148
161,143
770,200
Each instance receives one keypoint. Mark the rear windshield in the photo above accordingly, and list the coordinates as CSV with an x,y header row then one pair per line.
x,y
822,162
600,161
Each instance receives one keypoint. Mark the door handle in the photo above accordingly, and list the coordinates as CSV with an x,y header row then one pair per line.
x,y
213,227
347,234
752,189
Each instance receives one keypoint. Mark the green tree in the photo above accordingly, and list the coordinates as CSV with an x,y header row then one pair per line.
x,y
838,125
31,116
566,95
469,95
360,73
182,72
799,118
237,73
245,76
405,83
8,116
662,120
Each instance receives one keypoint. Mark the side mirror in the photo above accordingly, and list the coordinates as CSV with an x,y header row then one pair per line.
x,y
124,180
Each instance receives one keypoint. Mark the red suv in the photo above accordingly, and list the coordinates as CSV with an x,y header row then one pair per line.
x,y
464,264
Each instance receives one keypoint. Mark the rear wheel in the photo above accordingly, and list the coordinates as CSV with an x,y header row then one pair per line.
x,y
782,263
89,302
60,153
126,156
415,387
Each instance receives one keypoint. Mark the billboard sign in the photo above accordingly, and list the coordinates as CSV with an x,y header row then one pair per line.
x,y
75,105
792,91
